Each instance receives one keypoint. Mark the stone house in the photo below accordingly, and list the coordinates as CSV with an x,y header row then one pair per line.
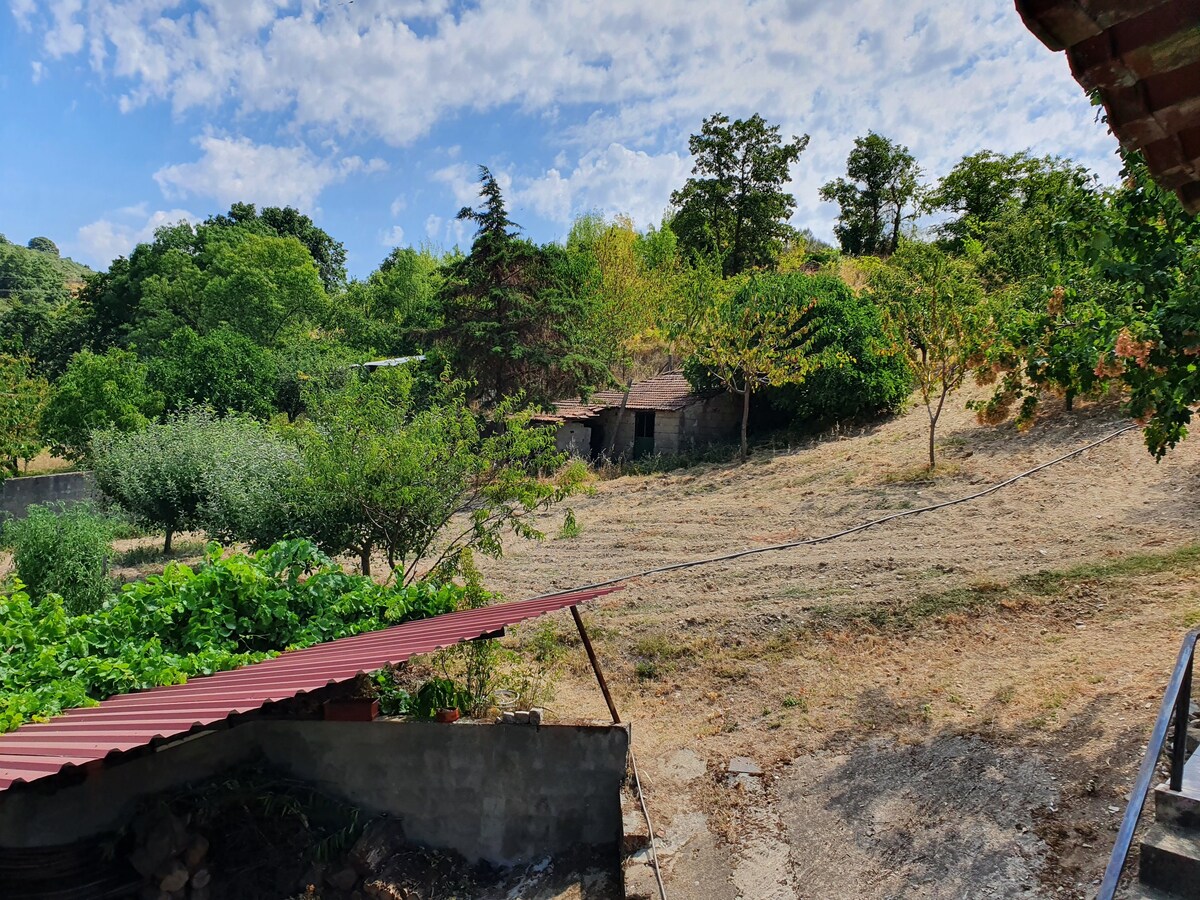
x,y
660,415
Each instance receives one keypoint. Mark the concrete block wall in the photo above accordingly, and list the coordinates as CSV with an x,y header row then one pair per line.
x,y
18,494
504,793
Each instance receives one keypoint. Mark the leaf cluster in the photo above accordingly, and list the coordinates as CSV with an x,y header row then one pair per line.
x,y
229,611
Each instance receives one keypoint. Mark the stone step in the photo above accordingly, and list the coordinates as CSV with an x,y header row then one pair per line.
x,y
1178,810
1170,861
1141,892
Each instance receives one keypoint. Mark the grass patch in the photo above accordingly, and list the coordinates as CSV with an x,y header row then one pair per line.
x,y
956,604
153,553
655,655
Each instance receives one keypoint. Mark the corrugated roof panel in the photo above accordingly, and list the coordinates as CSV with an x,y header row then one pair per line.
x,y
130,721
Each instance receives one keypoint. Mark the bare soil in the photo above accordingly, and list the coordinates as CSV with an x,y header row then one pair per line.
x,y
952,704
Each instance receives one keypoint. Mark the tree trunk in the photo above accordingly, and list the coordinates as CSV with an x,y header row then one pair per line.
x,y
612,441
745,422
167,542
932,429
1069,400
364,559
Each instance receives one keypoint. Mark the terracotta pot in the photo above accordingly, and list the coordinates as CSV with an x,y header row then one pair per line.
x,y
351,709
447,715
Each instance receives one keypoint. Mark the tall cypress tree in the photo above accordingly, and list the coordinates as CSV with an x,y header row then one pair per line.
x,y
520,317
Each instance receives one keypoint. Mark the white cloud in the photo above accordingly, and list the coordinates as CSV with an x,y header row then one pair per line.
x,y
393,237
610,181
433,226
938,76
610,89
237,169
102,241
399,205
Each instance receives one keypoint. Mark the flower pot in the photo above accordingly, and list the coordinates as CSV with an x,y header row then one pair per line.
x,y
447,715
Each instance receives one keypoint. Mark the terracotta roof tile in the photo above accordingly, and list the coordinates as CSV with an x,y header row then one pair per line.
x,y
1144,59
669,391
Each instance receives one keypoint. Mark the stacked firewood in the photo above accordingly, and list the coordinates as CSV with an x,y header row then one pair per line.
x,y
171,856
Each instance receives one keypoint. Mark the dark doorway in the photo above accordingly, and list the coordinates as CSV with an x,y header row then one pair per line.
x,y
597,444
643,433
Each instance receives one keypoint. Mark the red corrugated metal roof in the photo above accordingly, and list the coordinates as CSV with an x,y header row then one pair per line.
x,y
669,391
130,721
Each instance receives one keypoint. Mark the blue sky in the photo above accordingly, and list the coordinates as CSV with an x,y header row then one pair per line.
x,y
117,116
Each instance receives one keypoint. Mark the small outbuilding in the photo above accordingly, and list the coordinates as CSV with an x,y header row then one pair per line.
x,y
660,415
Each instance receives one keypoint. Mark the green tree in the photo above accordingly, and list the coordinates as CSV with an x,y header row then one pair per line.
x,y
846,325
222,369
421,484
935,306
735,205
759,337
225,475
241,277
43,245
519,317
397,310
22,397
1119,307
878,194
328,254
1018,216
97,391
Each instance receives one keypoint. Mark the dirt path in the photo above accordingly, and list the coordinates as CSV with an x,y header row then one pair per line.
x,y
950,705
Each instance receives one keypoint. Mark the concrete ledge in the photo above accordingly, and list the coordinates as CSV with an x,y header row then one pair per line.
x,y
18,494
502,793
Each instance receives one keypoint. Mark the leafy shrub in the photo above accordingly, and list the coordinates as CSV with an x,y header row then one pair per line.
x,y
64,550
877,380
229,611
221,369
96,392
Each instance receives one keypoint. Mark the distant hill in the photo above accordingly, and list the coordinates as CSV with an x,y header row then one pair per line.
x,y
37,273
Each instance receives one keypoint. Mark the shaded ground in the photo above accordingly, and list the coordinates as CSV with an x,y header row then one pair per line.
x,y
949,705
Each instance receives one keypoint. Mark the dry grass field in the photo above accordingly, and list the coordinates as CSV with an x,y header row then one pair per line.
x,y
948,705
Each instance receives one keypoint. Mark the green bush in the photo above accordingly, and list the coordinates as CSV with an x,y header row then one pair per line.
x,y
227,476
229,611
877,381
64,550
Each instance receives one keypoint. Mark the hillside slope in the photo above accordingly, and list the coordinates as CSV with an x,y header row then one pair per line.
x,y
950,704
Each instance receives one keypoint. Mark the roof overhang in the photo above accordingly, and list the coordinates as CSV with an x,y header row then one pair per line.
x,y
1143,60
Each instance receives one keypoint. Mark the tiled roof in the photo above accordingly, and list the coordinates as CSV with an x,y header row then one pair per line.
x,y
131,721
1144,60
669,391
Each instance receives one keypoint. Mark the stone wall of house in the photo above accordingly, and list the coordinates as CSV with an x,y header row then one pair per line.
x,y
702,424
714,421
574,438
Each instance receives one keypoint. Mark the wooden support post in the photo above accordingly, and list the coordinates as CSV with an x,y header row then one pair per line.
x,y
587,645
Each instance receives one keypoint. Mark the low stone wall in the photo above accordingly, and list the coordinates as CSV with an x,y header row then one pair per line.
x,y
503,793
18,494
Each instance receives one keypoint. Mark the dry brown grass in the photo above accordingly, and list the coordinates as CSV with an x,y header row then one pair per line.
x,y
1043,618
